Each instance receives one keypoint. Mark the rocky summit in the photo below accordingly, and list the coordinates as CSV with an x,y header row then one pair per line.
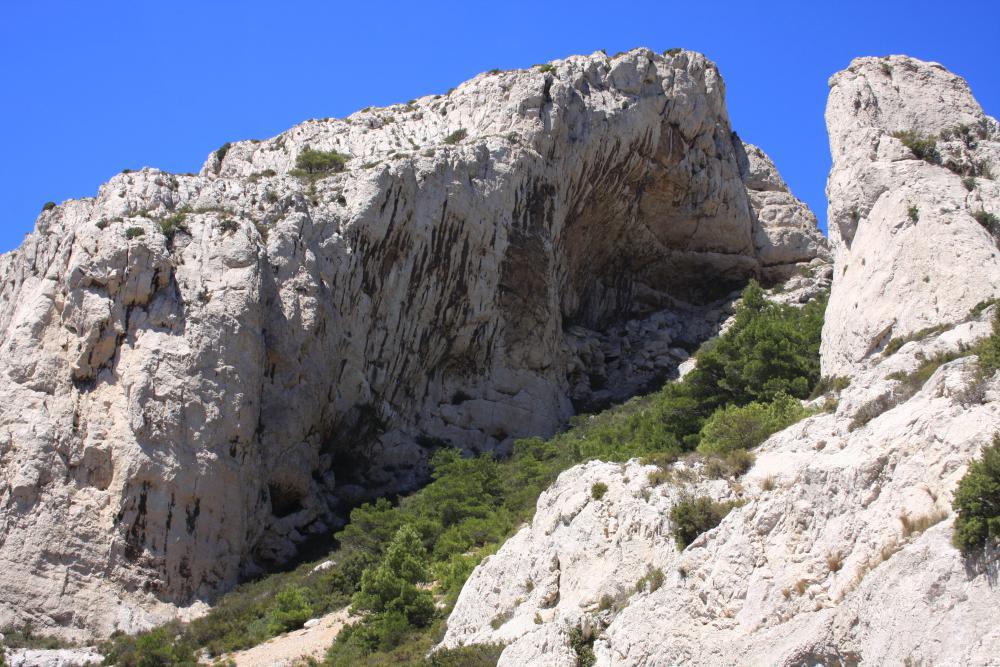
x,y
202,375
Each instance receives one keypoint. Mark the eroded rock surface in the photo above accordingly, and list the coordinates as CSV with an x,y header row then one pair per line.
x,y
185,400
841,552
909,252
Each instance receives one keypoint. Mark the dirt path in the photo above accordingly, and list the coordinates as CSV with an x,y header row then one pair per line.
x,y
286,650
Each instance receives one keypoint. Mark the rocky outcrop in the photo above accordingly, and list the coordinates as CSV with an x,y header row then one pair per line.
x,y
909,251
63,657
199,373
785,232
841,552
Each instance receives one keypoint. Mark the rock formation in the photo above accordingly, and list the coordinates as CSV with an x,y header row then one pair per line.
x,y
199,373
909,253
841,553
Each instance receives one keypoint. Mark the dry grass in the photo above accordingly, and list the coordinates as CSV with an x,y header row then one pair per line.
x,y
910,526
834,561
889,549
767,484
918,524
800,586
660,476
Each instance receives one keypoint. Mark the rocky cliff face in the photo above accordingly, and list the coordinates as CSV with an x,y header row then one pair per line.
x,y
200,372
909,252
841,554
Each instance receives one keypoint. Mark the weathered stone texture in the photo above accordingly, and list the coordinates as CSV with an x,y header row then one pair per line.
x,y
180,409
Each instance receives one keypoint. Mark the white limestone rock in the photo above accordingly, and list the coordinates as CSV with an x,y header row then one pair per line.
x,y
64,657
576,552
180,410
818,565
908,252
546,646
785,231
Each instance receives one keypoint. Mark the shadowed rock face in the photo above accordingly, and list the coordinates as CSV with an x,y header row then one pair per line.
x,y
183,402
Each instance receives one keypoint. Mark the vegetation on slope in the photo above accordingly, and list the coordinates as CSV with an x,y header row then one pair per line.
x,y
389,554
977,502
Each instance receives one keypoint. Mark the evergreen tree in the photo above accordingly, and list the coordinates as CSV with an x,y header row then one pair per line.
x,y
977,501
391,586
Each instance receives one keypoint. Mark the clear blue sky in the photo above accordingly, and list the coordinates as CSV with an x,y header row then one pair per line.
x,y
90,88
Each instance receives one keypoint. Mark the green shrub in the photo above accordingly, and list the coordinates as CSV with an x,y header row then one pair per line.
x,y
25,637
173,224
546,68
871,410
923,147
319,162
744,427
597,490
652,580
220,153
477,655
228,225
989,221
977,502
826,384
894,344
913,213
456,136
969,183
48,206
134,232
390,587
290,610
770,349
691,517
988,350
732,464
155,648
911,382
583,645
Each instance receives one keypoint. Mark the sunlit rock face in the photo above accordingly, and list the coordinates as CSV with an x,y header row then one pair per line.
x,y
908,249
199,373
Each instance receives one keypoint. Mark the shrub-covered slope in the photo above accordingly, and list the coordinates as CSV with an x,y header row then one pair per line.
x,y
389,552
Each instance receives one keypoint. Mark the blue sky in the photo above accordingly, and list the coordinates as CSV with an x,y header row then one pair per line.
x,y
90,88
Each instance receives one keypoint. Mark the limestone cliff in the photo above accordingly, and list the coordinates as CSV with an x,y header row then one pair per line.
x,y
841,554
200,372
909,251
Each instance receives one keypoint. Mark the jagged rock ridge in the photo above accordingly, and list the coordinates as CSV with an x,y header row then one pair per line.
x,y
842,553
185,400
